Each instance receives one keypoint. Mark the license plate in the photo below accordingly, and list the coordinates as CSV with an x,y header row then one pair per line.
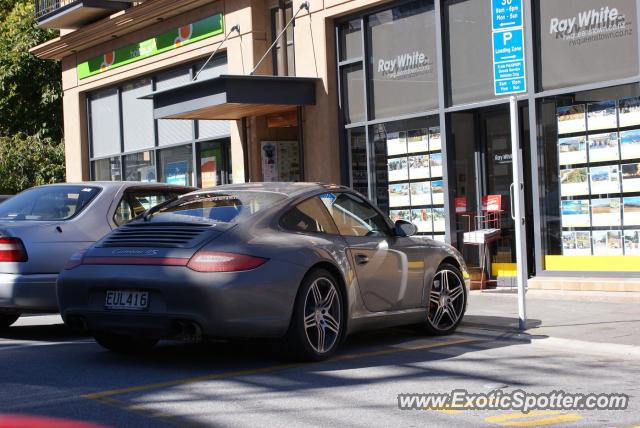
x,y
123,299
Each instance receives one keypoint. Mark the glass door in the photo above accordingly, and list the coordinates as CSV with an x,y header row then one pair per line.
x,y
495,197
479,144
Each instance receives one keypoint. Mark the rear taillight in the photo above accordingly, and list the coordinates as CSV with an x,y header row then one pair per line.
x,y
12,250
74,261
214,261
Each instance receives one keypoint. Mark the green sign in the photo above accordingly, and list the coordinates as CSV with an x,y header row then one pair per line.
x,y
164,42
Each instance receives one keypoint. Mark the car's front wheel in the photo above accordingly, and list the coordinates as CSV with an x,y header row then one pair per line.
x,y
317,322
8,319
123,344
447,301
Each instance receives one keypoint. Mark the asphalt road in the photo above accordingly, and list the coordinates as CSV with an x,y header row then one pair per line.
x,y
46,370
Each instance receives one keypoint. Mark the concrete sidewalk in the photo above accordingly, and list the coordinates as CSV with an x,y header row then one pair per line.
x,y
559,316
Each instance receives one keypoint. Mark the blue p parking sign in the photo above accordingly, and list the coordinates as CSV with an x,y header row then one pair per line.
x,y
509,71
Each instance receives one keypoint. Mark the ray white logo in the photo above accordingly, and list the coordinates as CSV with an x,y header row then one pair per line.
x,y
406,64
604,19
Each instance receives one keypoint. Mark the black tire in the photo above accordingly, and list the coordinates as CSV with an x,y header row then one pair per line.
x,y
452,307
124,344
6,320
301,342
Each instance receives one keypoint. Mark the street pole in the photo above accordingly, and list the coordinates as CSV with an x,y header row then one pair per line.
x,y
517,213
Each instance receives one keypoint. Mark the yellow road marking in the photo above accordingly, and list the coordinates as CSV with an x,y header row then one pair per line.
x,y
533,418
250,372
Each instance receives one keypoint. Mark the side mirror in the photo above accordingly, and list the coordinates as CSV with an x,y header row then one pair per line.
x,y
405,228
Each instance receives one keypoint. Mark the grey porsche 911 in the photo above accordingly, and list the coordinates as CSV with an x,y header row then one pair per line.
x,y
308,263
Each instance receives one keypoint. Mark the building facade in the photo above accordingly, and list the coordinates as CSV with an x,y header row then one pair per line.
x,y
396,99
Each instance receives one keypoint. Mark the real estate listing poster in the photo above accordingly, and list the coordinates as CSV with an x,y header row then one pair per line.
x,y
632,242
605,180
437,192
396,143
396,215
576,244
435,160
603,147
576,213
423,219
571,119
572,150
434,139
607,243
631,177
629,112
399,195
630,144
398,169
418,140
421,193
438,220
574,182
631,208
605,212
419,167
602,115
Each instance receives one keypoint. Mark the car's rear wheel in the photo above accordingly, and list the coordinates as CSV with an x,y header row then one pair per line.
x,y
124,344
317,322
447,301
8,319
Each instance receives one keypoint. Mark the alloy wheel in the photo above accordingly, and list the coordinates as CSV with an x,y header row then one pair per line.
x,y
446,300
322,315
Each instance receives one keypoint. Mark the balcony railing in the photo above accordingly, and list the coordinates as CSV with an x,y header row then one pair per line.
x,y
44,7
75,13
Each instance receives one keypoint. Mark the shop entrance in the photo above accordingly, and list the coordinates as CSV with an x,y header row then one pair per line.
x,y
484,230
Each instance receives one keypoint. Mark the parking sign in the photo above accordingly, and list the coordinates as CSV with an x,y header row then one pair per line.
x,y
509,71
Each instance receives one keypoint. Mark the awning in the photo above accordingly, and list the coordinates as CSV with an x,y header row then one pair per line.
x,y
232,97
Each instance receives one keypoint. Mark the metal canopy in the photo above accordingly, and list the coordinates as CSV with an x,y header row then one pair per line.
x,y
233,97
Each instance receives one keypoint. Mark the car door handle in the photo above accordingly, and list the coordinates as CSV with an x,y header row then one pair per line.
x,y
361,259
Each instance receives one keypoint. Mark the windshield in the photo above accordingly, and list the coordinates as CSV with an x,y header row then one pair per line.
x,y
48,203
214,207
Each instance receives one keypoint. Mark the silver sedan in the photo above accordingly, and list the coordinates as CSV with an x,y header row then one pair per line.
x,y
42,227
308,263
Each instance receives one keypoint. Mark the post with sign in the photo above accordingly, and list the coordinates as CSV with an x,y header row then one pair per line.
x,y
509,76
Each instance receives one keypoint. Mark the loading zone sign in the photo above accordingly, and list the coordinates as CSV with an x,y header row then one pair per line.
x,y
509,73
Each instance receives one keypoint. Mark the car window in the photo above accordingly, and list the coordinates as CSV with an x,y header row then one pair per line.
x,y
136,202
229,206
48,203
309,216
124,213
354,216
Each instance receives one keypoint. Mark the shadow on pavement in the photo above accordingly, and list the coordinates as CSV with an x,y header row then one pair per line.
x,y
245,364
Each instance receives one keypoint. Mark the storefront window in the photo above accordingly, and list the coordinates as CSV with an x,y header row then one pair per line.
x,y
107,169
171,131
586,41
351,40
176,165
357,140
402,64
353,93
105,123
471,70
140,167
213,161
408,173
137,116
590,175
